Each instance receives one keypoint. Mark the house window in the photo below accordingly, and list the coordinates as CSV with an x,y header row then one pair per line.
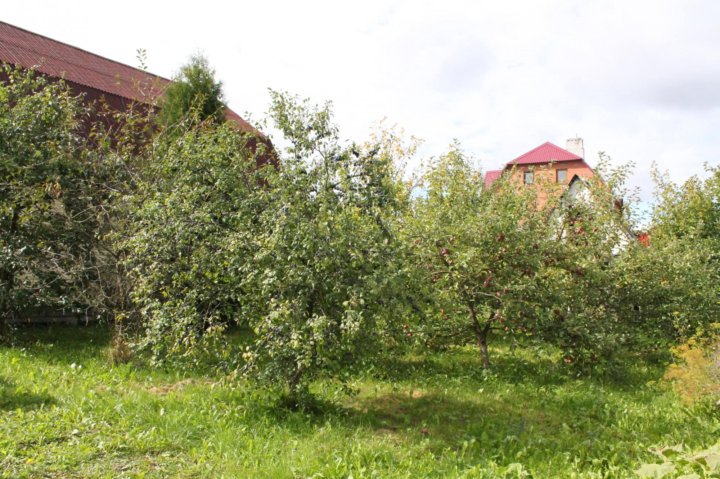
x,y
529,177
561,176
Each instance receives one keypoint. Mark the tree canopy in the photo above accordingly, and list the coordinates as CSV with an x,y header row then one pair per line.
x,y
327,260
193,96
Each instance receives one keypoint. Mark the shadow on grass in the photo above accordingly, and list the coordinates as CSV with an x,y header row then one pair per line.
x,y
466,367
13,398
60,344
63,344
440,422
528,368
445,421
496,424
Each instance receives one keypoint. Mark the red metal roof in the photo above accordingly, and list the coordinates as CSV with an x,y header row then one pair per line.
x,y
545,153
491,176
75,65
238,120
30,50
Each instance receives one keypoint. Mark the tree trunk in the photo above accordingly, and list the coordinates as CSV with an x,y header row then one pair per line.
x,y
298,393
481,333
482,341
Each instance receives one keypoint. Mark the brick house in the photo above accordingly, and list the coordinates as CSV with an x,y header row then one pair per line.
x,y
544,165
563,172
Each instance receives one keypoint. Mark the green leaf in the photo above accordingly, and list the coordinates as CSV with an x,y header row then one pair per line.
x,y
655,471
709,458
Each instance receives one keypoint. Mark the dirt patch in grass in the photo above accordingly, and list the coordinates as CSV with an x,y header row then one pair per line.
x,y
168,388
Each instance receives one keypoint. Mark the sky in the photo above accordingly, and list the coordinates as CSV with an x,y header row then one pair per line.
x,y
639,80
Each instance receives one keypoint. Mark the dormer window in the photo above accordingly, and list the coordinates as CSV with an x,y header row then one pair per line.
x,y
561,176
529,178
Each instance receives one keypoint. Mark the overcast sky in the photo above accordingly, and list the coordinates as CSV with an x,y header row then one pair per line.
x,y
639,80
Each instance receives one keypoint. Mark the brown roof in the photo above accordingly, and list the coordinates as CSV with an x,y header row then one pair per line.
x,y
75,65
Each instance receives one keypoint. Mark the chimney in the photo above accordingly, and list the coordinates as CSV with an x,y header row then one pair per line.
x,y
575,145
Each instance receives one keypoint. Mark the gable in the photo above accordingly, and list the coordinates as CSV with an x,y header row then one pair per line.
x,y
545,153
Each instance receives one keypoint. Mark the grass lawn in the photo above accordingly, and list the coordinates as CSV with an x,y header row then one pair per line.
x,y
64,412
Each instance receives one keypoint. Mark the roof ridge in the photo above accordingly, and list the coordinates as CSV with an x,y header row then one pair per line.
x,y
115,77
80,49
57,59
533,151
521,159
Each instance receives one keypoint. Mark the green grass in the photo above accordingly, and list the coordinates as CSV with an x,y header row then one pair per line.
x,y
64,412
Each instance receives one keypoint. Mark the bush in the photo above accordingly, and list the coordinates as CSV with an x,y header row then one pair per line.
x,y
46,225
683,464
695,375
303,255
327,276
192,239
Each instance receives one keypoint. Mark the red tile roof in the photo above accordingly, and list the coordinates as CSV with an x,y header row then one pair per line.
x,y
491,176
544,153
60,60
